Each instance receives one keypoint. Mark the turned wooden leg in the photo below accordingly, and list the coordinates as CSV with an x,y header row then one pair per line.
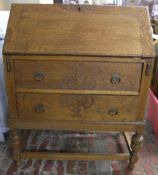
x,y
16,145
136,144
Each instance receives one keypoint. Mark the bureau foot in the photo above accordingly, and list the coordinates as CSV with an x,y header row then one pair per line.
x,y
16,145
136,144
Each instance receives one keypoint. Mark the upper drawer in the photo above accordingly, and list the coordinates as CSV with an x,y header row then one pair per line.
x,y
77,75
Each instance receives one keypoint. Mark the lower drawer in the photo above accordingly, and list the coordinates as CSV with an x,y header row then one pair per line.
x,y
77,107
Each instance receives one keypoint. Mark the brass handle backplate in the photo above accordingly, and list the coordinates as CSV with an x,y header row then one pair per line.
x,y
39,108
113,112
115,79
39,76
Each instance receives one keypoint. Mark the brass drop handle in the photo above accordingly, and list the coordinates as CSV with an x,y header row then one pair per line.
x,y
38,76
115,79
39,108
113,112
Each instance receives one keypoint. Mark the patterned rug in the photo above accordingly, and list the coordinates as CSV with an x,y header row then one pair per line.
x,y
81,142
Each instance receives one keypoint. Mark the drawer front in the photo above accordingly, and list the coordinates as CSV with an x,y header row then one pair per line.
x,y
77,107
77,75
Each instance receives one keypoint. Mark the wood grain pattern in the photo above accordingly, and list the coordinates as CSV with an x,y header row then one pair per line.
x,y
73,156
86,32
71,69
144,88
49,124
10,87
77,107
77,75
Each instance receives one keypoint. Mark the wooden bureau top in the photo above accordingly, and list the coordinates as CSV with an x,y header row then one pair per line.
x,y
78,30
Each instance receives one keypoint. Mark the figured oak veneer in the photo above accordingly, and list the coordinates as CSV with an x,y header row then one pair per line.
x,y
78,107
94,30
85,68
77,75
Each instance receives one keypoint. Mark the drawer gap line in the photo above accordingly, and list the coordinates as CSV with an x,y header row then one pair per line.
x,y
63,91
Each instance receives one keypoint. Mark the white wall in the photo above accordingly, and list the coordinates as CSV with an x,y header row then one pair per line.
x,y
3,100
5,4
46,1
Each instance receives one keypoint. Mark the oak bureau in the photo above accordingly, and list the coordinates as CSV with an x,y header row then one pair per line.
x,y
85,68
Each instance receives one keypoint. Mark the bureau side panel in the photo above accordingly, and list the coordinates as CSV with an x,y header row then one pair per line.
x,y
10,86
144,88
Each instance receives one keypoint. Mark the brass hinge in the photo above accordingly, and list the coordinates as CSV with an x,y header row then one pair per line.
x,y
148,68
8,65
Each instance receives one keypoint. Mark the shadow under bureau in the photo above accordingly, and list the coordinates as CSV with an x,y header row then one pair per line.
x,y
85,68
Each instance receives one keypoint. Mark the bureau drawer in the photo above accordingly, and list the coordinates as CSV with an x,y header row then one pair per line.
x,y
77,75
77,107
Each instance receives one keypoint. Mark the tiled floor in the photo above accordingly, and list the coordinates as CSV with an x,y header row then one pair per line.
x,y
81,142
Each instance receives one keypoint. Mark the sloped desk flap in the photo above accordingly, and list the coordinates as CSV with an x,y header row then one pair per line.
x,y
79,30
